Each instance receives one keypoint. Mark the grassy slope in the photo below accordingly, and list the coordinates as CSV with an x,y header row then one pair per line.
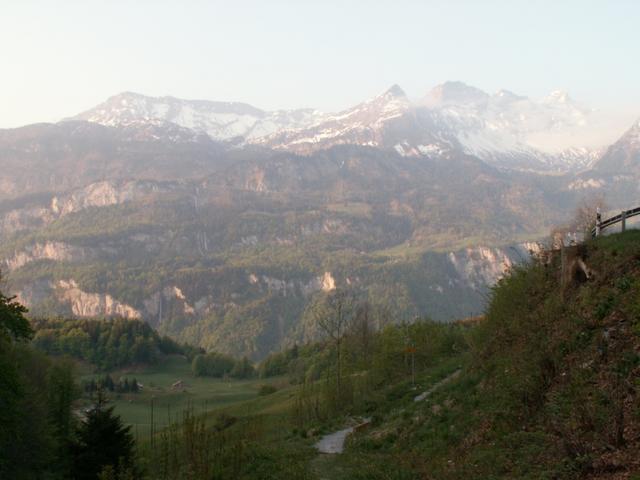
x,y
291,450
551,390
282,448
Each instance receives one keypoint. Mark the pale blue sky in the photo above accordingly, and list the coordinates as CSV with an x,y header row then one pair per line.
x,y
61,57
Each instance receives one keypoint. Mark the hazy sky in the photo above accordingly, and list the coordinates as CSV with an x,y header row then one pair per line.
x,y
61,57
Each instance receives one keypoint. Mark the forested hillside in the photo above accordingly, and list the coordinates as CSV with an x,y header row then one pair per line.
x,y
232,260
107,344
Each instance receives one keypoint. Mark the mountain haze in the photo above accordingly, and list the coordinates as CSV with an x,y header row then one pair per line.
x,y
504,129
222,224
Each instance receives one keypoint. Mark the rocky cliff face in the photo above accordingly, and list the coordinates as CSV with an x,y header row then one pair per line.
x,y
71,299
97,305
101,194
325,283
468,270
56,251
481,267
49,208
25,218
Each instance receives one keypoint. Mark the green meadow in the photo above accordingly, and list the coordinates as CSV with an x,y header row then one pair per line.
x,y
159,399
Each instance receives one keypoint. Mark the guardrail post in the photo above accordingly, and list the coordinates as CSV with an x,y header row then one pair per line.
x,y
598,221
623,220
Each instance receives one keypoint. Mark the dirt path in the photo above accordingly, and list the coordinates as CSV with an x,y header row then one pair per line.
x,y
329,467
428,392
326,465
334,442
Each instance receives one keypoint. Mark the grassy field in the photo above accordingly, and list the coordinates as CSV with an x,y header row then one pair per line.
x,y
269,439
198,393
444,243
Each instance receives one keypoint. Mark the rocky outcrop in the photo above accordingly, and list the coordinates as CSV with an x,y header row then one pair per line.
x,y
84,304
25,219
57,251
325,283
153,305
98,194
102,194
481,267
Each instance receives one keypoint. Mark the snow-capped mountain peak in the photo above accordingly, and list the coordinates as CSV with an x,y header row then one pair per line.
x,y
454,93
506,96
364,124
219,120
394,91
392,101
558,96
504,128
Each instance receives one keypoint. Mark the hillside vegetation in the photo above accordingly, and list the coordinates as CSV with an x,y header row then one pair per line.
x,y
107,344
544,386
550,389
227,252
547,389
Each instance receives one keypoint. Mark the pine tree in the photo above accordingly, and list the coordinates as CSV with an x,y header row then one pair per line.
x,y
108,383
14,328
102,441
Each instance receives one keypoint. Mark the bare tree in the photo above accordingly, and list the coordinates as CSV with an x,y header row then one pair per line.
x,y
361,331
583,221
334,318
584,218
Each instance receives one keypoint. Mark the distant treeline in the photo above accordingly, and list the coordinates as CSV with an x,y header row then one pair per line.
x,y
124,385
107,344
291,362
219,365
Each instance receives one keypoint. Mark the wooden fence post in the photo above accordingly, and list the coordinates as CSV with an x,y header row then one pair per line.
x,y
623,219
598,221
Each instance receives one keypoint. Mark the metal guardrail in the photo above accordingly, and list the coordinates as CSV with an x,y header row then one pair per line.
x,y
620,218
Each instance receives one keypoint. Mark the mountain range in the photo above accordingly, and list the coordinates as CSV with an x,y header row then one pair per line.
x,y
503,129
222,224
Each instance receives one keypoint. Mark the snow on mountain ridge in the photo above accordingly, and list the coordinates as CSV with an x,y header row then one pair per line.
x,y
219,120
361,125
516,115
456,93
505,129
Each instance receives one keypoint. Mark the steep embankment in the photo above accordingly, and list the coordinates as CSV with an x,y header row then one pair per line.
x,y
550,391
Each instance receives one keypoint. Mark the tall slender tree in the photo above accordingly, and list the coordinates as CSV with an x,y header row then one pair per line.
x,y
334,317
